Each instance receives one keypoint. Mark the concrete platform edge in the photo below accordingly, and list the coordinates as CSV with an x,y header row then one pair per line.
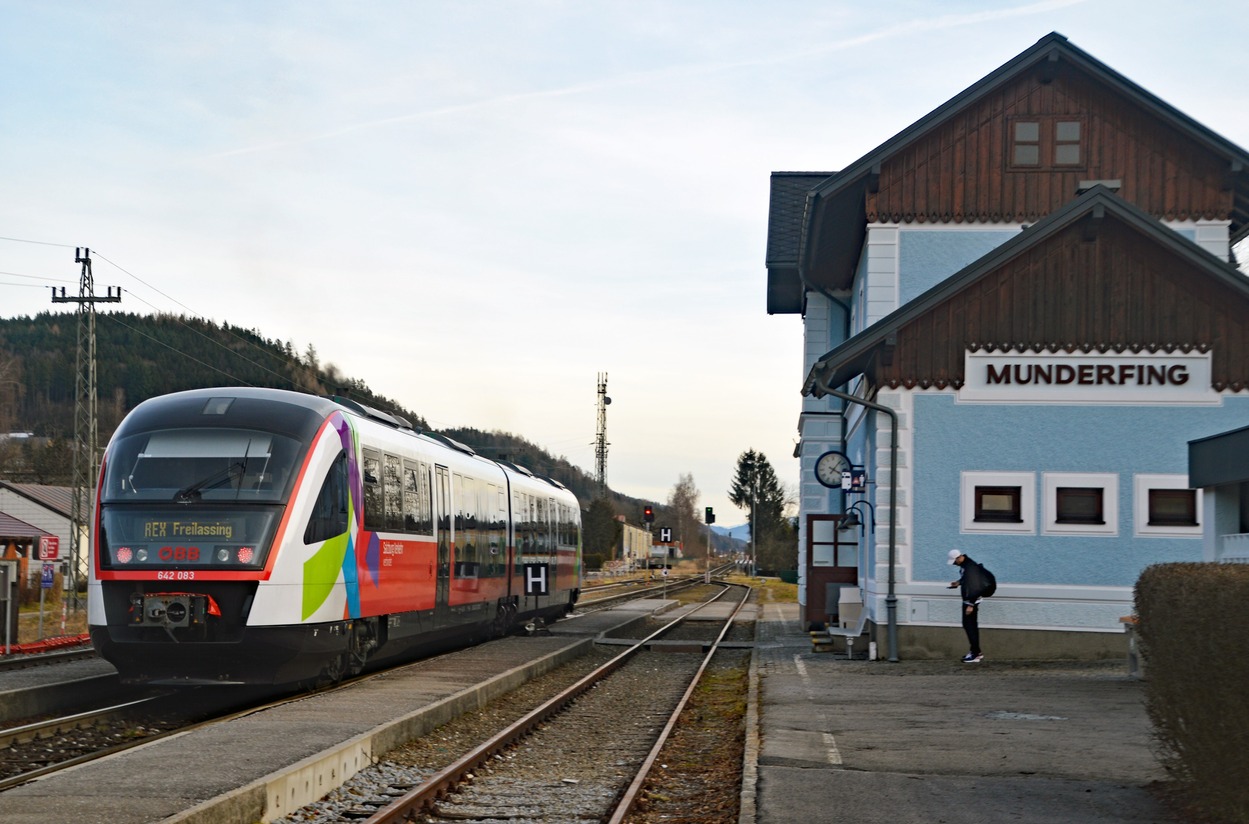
x,y
747,811
296,785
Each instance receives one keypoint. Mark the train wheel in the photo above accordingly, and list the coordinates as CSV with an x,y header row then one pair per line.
x,y
502,622
363,641
333,672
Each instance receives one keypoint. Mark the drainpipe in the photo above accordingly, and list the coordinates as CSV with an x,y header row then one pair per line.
x,y
891,600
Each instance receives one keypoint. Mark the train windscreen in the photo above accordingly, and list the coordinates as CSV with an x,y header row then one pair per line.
x,y
189,466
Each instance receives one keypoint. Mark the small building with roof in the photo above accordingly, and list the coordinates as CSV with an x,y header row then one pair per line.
x,y
29,512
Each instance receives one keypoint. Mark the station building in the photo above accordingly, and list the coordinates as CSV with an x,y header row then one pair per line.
x,y
1017,313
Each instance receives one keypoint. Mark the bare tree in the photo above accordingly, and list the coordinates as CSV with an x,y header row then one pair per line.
x,y
683,509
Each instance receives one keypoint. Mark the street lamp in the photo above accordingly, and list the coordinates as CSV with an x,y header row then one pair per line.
x,y
852,517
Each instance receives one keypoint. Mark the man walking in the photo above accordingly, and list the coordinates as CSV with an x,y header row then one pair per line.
x,y
973,583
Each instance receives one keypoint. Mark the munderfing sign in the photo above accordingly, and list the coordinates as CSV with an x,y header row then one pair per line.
x,y
1094,377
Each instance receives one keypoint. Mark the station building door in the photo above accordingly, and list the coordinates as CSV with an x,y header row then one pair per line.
x,y
832,558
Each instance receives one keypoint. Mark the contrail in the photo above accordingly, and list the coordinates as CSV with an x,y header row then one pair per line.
x,y
943,22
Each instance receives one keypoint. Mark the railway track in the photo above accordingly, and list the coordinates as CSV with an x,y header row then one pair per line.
x,y
603,597
582,754
47,746
41,659
43,747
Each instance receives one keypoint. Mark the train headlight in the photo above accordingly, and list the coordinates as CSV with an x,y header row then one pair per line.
x,y
141,555
223,555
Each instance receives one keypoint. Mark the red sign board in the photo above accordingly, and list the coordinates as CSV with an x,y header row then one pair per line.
x,y
49,548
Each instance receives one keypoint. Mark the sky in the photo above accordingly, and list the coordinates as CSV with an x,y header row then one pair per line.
x,y
478,207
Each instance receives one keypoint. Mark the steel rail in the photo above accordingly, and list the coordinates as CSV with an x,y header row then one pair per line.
x,y
49,728
42,659
676,585
442,782
627,801
217,716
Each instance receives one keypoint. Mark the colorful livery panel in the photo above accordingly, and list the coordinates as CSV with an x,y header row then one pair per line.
x,y
263,536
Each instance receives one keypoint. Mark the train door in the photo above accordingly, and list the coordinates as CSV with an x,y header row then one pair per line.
x,y
442,519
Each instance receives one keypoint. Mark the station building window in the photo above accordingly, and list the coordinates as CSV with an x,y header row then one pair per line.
x,y
1046,143
1165,506
1078,503
999,502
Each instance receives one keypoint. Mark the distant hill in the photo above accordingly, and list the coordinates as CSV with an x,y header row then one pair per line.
x,y
736,533
168,353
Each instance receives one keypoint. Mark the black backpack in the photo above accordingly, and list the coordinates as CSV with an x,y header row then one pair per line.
x,y
981,582
988,584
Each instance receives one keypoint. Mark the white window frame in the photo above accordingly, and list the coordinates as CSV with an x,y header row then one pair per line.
x,y
1141,485
1108,482
1026,481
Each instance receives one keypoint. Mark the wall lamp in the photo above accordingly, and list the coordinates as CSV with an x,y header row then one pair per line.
x,y
853,519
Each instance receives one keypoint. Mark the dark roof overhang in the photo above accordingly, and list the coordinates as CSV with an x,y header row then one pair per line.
x,y
14,529
1219,459
874,345
787,206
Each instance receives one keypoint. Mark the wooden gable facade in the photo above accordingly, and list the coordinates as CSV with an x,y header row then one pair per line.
x,y
1018,145
1023,151
1097,275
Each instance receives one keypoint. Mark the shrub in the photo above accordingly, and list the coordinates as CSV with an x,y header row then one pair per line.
x,y
1192,620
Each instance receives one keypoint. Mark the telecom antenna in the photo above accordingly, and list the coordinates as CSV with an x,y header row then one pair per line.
x,y
86,461
600,443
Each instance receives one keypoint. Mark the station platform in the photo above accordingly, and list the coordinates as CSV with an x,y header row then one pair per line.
x,y
837,740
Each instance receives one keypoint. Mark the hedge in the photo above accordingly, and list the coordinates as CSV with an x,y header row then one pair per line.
x,y
1193,621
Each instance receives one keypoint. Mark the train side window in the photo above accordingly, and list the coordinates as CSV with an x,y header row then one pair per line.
x,y
521,517
329,511
392,491
374,510
418,514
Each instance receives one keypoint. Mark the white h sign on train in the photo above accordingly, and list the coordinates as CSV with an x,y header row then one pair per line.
x,y
537,579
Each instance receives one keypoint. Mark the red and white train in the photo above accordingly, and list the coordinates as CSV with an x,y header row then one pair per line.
x,y
261,536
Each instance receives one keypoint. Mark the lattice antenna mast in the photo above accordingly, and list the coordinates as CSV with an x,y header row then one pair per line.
x,y
86,458
600,443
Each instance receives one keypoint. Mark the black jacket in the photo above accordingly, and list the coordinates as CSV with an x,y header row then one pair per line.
x,y
973,580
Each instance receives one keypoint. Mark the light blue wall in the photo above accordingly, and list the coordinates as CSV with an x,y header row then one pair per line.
x,y
861,449
1128,440
925,258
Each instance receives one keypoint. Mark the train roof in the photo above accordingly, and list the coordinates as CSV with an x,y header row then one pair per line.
x,y
194,400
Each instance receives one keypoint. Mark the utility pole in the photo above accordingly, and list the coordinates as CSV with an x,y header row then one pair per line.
x,y
86,459
600,443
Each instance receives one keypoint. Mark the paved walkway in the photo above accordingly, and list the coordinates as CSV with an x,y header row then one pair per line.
x,y
941,741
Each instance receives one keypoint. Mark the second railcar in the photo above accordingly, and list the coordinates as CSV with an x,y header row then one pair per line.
x,y
265,536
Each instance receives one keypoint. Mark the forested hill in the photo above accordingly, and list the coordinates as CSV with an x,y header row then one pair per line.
x,y
141,356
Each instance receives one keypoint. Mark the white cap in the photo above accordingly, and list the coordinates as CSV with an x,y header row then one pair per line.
x,y
954,555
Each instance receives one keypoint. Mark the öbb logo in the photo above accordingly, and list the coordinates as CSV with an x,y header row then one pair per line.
x,y
178,553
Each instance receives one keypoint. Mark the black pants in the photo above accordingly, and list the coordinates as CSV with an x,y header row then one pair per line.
x,y
971,625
